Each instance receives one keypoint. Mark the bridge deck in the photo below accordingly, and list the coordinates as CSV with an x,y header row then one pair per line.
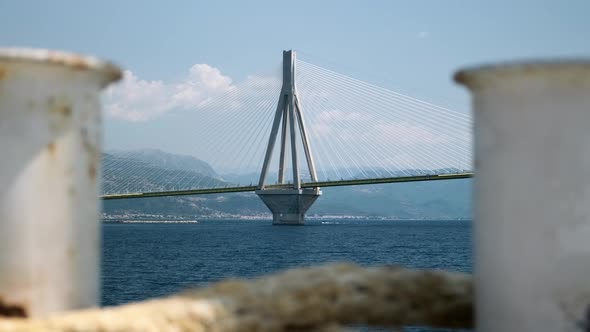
x,y
354,182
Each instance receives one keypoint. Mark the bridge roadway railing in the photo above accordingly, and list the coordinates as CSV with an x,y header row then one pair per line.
x,y
337,183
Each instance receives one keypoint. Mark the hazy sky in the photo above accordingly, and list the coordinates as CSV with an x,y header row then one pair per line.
x,y
177,52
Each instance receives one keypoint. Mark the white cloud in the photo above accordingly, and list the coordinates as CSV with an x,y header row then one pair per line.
x,y
203,81
135,99
423,34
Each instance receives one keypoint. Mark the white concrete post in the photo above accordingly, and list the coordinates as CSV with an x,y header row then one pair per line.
x,y
50,147
532,195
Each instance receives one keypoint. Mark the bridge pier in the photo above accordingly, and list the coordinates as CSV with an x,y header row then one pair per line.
x,y
288,206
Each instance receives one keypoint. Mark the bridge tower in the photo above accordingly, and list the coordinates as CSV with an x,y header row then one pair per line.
x,y
288,203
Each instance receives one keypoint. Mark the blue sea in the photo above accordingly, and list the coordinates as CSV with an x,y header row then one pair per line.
x,y
141,261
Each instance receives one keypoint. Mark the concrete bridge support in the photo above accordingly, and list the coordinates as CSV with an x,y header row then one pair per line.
x,y
290,203
288,206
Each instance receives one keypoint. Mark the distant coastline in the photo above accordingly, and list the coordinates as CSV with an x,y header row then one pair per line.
x,y
140,221
196,220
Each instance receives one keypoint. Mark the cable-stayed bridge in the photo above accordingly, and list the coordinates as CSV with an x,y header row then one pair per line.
x,y
286,137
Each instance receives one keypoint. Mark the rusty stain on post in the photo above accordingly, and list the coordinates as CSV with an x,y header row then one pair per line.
x,y
51,147
92,172
12,310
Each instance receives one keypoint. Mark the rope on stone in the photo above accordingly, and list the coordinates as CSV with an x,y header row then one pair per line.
x,y
321,298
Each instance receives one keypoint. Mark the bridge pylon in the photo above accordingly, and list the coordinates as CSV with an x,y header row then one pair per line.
x,y
288,204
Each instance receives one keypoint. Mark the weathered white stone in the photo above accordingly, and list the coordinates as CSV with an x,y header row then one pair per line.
x,y
49,172
532,195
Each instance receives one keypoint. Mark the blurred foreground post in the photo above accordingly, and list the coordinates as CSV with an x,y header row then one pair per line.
x,y
532,195
50,146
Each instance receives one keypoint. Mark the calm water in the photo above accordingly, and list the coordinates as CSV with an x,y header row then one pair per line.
x,y
147,260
